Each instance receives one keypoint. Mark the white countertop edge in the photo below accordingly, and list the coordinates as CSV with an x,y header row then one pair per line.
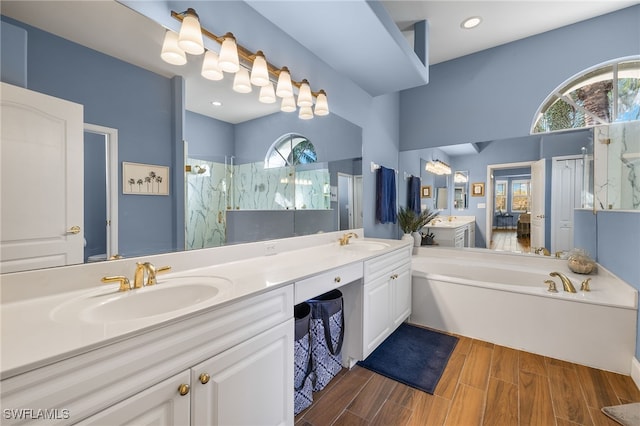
x,y
25,321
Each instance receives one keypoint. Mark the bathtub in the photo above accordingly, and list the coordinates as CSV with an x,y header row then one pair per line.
x,y
502,298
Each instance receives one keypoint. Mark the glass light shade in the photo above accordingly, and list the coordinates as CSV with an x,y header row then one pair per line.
x,y
190,37
259,71
304,96
228,59
284,88
267,94
288,104
171,52
306,113
241,82
322,105
210,68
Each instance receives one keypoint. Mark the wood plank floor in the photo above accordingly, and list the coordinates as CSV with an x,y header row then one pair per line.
x,y
507,240
483,384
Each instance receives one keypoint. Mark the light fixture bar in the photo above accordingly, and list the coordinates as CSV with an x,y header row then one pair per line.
x,y
244,53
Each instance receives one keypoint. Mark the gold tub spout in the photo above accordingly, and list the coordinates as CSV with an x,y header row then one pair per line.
x,y
566,282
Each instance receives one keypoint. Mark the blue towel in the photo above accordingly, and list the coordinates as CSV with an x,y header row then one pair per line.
x,y
386,195
414,194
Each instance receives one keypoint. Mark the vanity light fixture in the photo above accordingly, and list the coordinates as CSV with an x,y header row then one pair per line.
x,y
471,22
288,104
229,60
259,71
171,52
460,178
438,167
267,94
241,81
210,67
190,36
284,88
236,59
304,96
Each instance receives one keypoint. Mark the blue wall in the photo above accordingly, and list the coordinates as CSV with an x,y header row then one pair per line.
x,y
207,138
495,93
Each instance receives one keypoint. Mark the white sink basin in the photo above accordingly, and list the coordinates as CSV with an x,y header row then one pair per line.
x,y
169,295
355,245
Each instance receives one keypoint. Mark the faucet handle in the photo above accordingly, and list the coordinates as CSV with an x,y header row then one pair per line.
x,y
125,285
585,285
552,286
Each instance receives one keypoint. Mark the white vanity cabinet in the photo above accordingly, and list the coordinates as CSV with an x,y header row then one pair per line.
x,y
454,235
245,347
377,306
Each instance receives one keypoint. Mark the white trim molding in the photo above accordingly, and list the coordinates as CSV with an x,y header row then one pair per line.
x,y
635,371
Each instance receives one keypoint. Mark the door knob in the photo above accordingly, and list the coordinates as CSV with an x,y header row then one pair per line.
x,y
74,230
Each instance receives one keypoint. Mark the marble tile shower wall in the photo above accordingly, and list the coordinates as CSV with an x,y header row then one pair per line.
x,y
206,205
249,187
617,174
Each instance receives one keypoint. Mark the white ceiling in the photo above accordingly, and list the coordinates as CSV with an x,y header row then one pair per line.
x,y
138,40
502,21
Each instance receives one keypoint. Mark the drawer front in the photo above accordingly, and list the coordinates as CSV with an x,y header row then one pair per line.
x,y
387,263
326,281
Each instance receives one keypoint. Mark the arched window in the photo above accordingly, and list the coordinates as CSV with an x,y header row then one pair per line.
x,y
603,94
290,150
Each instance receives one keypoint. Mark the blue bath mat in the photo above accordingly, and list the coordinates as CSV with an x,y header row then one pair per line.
x,y
412,355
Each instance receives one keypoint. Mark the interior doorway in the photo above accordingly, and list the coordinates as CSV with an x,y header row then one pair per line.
x,y
345,201
501,221
101,192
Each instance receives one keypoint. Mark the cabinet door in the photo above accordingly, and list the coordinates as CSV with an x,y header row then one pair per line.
x,y
376,313
161,404
249,384
401,289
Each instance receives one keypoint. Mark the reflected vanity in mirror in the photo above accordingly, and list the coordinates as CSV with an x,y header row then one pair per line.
x,y
152,106
460,189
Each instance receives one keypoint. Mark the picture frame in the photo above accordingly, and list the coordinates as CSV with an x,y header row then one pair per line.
x,y
144,179
425,191
477,189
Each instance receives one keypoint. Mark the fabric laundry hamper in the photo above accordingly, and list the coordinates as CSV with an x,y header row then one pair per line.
x,y
303,376
327,335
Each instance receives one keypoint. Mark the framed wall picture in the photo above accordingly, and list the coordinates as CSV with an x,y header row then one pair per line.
x,y
477,189
145,179
425,191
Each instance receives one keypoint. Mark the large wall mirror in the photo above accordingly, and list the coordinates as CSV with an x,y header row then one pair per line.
x,y
126,88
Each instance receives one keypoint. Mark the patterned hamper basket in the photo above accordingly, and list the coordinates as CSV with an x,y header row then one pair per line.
x,y
303,376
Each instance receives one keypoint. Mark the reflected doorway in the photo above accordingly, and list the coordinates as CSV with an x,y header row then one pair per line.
x,y
345,202
100,192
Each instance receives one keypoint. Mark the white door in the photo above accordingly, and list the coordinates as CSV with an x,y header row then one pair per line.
x,y
537,204
566,181
41,181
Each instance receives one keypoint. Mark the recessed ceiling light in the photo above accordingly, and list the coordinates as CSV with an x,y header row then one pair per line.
x,y
216,103
472,22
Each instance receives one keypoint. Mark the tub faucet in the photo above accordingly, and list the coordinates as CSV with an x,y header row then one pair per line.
x,y
566,282
542,250
345,238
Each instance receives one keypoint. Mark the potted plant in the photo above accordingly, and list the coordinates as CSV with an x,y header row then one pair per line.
x,y
411,223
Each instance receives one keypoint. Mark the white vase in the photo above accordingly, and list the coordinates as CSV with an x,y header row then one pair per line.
x,y
417,239
407,237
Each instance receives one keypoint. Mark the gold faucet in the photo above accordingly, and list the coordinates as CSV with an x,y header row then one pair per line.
x,y
138,275
542,250
345,238
152,271
566,282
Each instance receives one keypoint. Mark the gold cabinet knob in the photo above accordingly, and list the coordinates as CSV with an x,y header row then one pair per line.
x,y
183,389
337,279
74,230
204,378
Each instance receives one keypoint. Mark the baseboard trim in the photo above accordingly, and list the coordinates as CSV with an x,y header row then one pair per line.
x,y
635,371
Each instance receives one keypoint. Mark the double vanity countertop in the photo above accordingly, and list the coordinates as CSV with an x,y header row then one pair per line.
x,y
40,330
